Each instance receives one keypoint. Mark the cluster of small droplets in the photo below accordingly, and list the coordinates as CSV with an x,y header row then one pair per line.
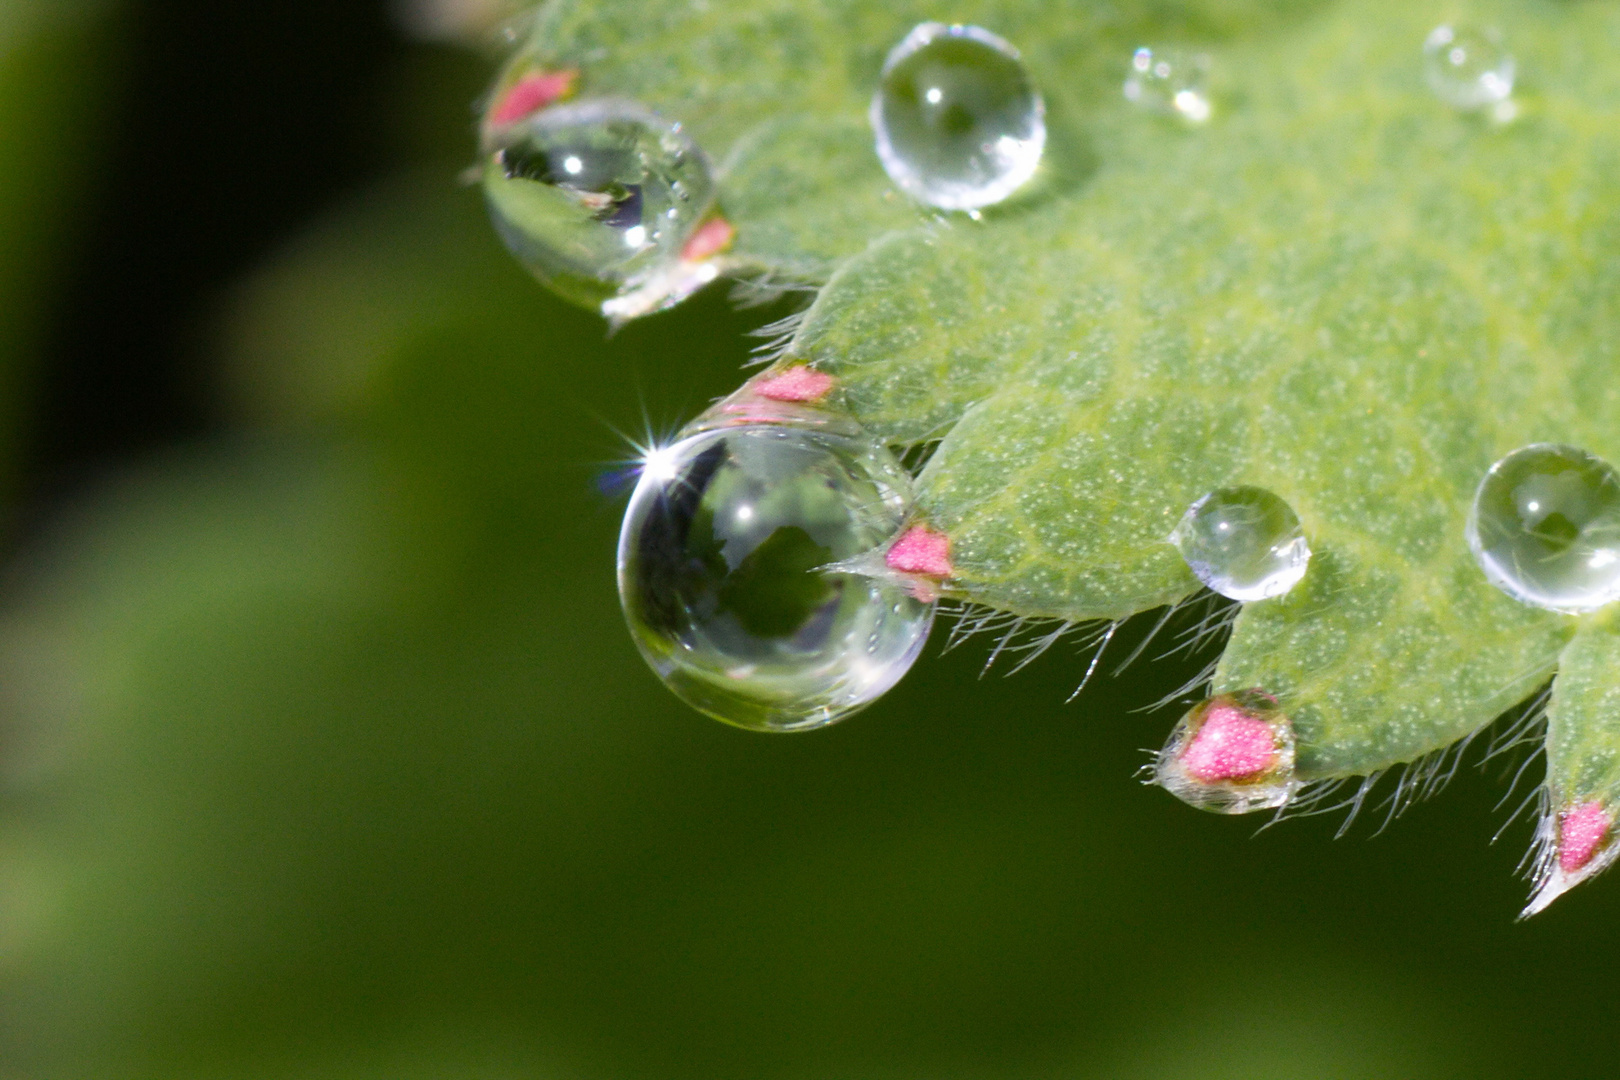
x,y
731,556
1170,81
1470,68
1545,528
1231,754
600,198
1244,543
958,120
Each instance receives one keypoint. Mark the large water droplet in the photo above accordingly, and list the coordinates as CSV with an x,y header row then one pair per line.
x,y
595,196
1468,68
1170,81
1545,528
719,578
1244,543
959,123
1230,755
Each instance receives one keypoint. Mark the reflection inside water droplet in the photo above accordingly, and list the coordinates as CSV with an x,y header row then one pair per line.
x,y
958,121
1244,543
719,574
1468,68
1170,81
595,195
1545,528
1231,754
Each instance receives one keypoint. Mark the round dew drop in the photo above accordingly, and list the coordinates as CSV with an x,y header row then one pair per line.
x,y
1545,528
719,574
1171,82
595,196
1244,543
1468,68
958,120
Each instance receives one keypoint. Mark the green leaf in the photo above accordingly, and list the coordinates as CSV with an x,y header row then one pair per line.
x,y
1340,288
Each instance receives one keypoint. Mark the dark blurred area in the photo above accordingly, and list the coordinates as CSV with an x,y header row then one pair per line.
x,y
219,130
324,752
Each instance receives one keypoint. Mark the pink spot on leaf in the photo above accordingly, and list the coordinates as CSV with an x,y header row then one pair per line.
x,y
921,550
529,95
796,384
1581,833
922,591
1230,745
711,238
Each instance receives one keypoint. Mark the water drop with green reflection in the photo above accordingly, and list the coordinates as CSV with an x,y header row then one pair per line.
x,y
720,575
1545,528
595,196
958,120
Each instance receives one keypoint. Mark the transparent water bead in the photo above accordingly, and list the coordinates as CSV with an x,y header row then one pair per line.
x,y
1244,543
1545,528
595,196
1468,68
959,123
719,578
1232,754
1170,81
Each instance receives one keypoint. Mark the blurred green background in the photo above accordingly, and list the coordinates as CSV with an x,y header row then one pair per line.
x,y
324,753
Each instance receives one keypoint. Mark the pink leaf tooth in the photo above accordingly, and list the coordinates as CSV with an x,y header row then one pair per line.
x,y
530,94
710,239
796,384
921,550
1581,833
1230,745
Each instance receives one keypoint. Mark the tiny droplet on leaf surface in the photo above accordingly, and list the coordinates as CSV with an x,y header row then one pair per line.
x,y
1244,543
958,120
1467,67
1170,81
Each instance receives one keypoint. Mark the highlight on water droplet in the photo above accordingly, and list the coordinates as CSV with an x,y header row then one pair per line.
x,y
596,197
1468,67
724,570
477,23
1579,843
1545,528
958,120
701,260
1174,82
1244,543
1231,754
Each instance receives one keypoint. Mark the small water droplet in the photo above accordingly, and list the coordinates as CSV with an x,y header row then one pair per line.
x,y
1467,67
1170,81
719,574
1545,528
1231,754
958,120
590,198
1244,543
